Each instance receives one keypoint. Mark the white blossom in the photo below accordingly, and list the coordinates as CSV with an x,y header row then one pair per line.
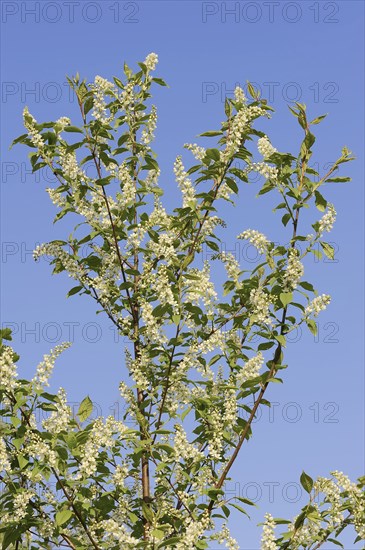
x,y
8,370
328,219
184,183
198,152
60,418
294,271
231,265
100,87
148,132
268,535
267,171
317,305
261,304
202,288
101,435
4,457
251,369
257,239
151,61
239,125
45,368
63,122
239,95
265,148
183,449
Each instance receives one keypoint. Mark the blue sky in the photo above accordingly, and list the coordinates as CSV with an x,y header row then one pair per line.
x,y
306,51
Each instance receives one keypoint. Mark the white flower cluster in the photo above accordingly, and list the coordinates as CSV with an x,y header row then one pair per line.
x,y
224,192
136,236
328,219
113,531
208,226
100,87
265,148
257,239
163,288
164,247
20,503
38,448
239,95
224,536
151,179
139,368
239,124
4,458
202,288
59,419
333,494
294,271
184,183
127,97
8,370
152,330
159,216
151,61
74,270
305,535
101,435
69,165
57,198
148,132
105,283
231,265
267,171
194,530
120,474
183,449
268,534
63,122
357,498
317,305
30,124
261,304
198,152
45,368
251,369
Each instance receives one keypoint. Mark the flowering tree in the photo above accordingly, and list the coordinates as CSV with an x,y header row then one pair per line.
x,y
193,367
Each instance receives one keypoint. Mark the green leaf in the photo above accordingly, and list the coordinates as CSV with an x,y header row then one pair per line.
x,y
73,129
74,290
281,339
265,345
312,325
285,219
321,202
338,180
318,119
63,516
328,250
147,512
309,140
286,298
213,154
159,81
211,133
85,409
306,482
